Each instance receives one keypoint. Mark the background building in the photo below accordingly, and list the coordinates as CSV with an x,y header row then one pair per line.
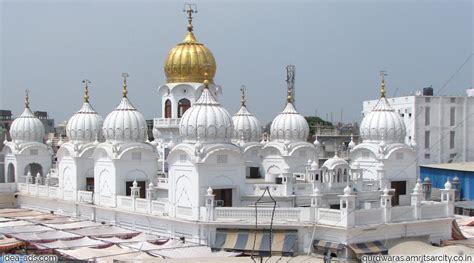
x,y
437,126
440,173
47,122
336,138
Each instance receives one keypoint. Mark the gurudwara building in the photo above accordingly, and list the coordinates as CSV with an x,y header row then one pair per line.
x,y
213,178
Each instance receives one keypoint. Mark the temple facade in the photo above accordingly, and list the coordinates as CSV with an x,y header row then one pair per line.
x,y
213,178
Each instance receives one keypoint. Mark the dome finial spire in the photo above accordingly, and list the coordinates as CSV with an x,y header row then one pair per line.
x,y
27,99
124,85
382,73
290,81
206,80
242,95
190,9
86,90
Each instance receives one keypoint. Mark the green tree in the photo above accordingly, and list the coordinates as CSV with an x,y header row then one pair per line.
x,y
313,121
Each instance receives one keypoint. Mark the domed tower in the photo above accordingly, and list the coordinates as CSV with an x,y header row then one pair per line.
x,y
247,127
383,155
26,153
247,134
288,139
75,162
124,156
205,158
184,68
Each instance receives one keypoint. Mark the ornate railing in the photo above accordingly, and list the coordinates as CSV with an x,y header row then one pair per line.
x,y
263,214
329,216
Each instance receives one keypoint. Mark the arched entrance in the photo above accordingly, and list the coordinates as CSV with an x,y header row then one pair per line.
x,y
183,106
34,168
168,109
10,173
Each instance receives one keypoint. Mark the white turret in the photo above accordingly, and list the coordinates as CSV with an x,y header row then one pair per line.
x,y
27,128
125,123
86,124
247,127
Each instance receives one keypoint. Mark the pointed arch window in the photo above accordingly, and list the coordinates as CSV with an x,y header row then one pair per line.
x,y
168,109
183,106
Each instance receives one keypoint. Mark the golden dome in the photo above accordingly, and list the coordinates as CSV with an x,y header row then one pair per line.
x,y
189,60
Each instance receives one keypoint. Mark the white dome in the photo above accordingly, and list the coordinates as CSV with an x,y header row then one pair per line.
x,y
246,126
206,121
125,124
85,125
27,128
383,123
289,125
331,163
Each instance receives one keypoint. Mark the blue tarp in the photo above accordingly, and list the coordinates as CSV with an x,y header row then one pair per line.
x,y
439,176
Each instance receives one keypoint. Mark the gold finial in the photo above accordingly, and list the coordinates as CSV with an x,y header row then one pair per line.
x,y
242,95
206,80
190,9
124,85
86,90
27,99
290,81
383,73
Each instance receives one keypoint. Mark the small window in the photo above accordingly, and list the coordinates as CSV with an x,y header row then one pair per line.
x,y
182,158
452,138
221,158
403,115
453,100
427,139
183,106
399,156
427,116
427,156
136,156
453,155
90,184
452,116
33,151
409,115
427,100
254,172
167,109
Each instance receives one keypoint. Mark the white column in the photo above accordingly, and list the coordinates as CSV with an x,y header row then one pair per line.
x,y
347,207
316,203
150,195
135,190
447,197
29,178
210,204
386,205
134,193
416,197
38,179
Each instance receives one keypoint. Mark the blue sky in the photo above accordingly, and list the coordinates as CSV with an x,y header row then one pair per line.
x,y
338,48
